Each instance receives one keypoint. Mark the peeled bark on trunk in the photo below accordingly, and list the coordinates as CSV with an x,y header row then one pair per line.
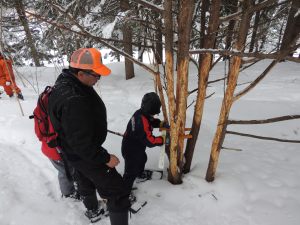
x,y
184,30
161,96
229,94
173,175
203,72
19,6
127,38
222,123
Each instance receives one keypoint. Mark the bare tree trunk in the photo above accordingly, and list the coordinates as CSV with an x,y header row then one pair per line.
x,y
127,38
204,10
203,72
184,33
292,26
280,34
173,174
19,6
229,94
158,36
254,30
141,50
232,9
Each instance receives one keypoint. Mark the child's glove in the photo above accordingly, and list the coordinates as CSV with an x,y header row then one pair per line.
x,y
166,138
7,83
164,124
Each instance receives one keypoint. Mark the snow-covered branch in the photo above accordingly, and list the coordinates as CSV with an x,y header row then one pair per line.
x,y
103,41
150,5
253,9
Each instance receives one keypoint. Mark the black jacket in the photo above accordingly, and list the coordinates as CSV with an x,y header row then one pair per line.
x,y
79,117
139,135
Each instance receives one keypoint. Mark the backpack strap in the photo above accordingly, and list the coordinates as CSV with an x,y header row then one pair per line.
x,y
66,164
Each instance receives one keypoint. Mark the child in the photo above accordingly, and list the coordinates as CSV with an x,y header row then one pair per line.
x,y
138,136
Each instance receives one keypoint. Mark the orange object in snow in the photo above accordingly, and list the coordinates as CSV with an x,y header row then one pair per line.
x,y
89,59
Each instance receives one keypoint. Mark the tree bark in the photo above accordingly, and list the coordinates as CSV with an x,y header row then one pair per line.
x,y
254,30
173,175
229,94
292,29
232,5
203,30
19,6
184,31
158,36
127,38
203,72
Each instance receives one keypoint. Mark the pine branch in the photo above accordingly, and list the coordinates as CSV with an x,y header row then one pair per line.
x,y
257,7
149,5
99,39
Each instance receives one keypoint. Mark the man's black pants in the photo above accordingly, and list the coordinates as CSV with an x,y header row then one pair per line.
x,y
107,181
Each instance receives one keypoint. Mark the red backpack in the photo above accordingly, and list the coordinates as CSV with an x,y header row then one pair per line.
x,y
45,132
42,125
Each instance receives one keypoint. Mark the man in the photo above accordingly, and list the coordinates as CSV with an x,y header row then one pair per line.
x,y
7,78
79,117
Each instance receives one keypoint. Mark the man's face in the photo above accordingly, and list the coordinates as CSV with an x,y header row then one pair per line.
x,y
88,78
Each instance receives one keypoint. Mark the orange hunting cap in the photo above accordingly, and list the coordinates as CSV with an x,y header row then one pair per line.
x,y
89,59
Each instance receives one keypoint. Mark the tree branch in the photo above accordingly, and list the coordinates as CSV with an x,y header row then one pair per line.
x,y
99,39
270,120
233,149
150,6
263,138
115,133
256,81
257,55
255,8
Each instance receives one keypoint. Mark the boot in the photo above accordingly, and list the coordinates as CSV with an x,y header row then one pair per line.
x,y
95,215
74,195
118,218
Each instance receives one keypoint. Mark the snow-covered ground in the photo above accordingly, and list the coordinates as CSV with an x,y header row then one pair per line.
x,y
259,185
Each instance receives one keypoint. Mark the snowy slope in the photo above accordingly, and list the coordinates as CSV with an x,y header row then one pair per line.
x,y
259,185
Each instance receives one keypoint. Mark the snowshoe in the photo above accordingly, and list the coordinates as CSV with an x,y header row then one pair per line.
x,y
132,198
149,175
75,195
95,215
137,206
